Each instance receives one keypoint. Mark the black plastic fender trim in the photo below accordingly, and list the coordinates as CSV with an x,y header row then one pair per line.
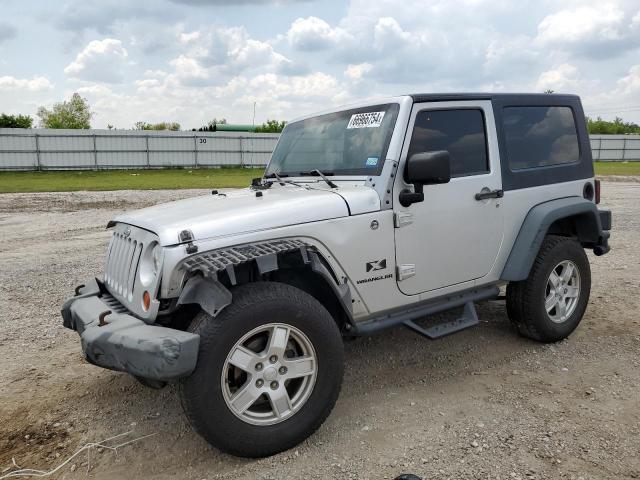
x,y
204,288
536,225
207,292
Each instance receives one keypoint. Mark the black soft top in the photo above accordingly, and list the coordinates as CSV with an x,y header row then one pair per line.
x,y
530,177
511,98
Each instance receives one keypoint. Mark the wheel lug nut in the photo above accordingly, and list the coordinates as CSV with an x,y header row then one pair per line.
x,y
259,383
258,366
282,370
274,385
273,359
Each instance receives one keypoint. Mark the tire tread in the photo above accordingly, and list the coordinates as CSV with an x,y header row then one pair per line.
x,y
522,300
210,327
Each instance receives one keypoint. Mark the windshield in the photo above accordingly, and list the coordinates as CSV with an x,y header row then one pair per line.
x,y
351,142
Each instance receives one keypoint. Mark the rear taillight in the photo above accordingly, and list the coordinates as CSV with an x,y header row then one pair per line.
x,y
597,183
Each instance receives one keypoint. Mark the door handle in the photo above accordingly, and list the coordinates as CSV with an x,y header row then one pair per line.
x,y
486,193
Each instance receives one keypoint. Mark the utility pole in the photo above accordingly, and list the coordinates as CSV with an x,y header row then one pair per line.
x,y
253,122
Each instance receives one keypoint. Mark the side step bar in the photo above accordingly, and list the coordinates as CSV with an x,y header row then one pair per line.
x,y
468,319
408,316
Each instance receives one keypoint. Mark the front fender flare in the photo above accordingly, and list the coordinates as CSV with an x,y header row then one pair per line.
x,y
204,288
207,292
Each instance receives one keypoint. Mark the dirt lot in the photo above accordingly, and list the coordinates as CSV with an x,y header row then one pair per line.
x,y
484,403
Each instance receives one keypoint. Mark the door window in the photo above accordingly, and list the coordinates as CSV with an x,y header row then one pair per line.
x,y
461,132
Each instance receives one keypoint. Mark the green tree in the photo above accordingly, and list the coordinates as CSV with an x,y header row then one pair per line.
x,y
211,126
15,121
271,126
615,127
74,113
174,126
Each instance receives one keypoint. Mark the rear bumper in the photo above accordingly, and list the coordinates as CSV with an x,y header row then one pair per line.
x,y
605,219
125,343
602,246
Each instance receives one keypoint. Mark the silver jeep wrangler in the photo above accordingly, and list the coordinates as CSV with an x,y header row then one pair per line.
x,y
369,216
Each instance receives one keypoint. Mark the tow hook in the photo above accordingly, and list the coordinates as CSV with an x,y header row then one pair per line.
x,y
101,322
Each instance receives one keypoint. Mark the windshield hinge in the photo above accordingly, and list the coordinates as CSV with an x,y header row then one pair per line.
x,y
401,219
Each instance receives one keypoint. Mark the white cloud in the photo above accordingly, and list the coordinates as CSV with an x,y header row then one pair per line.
x,y
618,101
100,61
164,98
629,84
574,25
594,31
188,70
355,72
230,51
194,63
563,78
226,3
313,33
509,55
147,84
388,35
95,89
35,84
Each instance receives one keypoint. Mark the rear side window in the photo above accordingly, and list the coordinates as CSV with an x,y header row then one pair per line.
x,y
540,136
460,132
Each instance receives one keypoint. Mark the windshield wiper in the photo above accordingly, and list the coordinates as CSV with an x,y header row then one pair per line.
x,y
318,173
277,177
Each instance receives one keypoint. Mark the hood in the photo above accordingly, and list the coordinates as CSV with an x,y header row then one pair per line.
x,y
241,211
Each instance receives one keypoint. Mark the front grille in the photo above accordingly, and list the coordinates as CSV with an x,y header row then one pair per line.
x,y
122,263
114,305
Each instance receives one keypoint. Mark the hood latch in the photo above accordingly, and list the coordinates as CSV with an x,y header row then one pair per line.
x,y
187,236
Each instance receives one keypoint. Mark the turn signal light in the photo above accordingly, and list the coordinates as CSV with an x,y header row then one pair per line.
x,y
146,300
597,182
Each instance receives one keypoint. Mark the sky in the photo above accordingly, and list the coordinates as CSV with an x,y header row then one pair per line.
x,y
194,60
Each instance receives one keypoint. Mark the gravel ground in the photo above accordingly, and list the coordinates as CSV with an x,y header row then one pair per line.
x,y
484,403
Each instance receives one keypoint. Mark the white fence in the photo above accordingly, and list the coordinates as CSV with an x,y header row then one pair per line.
x,y
25,149
615,148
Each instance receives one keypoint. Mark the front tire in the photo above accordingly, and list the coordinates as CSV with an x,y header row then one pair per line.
x,y
551,302
269,370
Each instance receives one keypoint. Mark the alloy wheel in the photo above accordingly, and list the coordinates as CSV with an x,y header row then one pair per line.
x,y
269,374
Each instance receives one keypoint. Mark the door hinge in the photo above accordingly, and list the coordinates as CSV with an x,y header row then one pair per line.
x,y
400,219
405,271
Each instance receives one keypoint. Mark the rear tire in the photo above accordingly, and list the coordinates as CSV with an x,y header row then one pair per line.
x,y
251,327
546,306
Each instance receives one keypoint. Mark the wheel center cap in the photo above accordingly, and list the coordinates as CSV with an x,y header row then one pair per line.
x,y
271,374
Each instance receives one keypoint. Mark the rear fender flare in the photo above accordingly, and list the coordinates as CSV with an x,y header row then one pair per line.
x,y
584,215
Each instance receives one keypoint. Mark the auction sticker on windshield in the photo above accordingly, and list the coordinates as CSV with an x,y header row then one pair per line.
x,y
366,120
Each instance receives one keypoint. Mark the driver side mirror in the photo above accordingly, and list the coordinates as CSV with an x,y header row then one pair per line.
x,y
427,168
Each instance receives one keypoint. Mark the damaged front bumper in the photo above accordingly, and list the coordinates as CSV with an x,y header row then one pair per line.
x,y
119,341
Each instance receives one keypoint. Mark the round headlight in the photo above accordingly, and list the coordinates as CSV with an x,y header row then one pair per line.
x,y
157,259
150,263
